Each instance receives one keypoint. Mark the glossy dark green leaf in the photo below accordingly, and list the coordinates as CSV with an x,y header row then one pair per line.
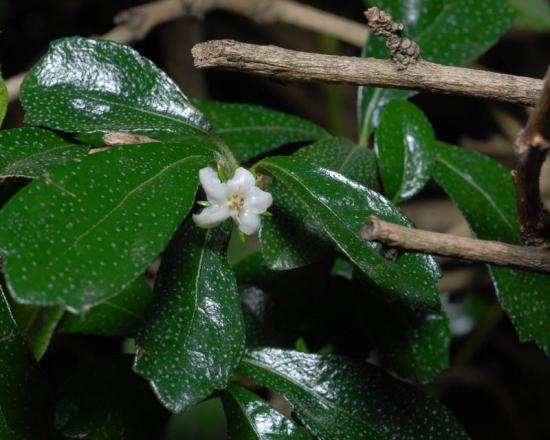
x,y
339,399
4,99
485,193
532,14
37,325
252,418
23,387
404,146
120,315
292,238
340,208
413,343
251,130
30,152
85,232
108,401
453,32
86,85
194,336
353,161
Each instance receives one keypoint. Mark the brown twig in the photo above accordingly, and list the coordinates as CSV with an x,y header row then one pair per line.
x,y
290,65
135,23
492,252
532,145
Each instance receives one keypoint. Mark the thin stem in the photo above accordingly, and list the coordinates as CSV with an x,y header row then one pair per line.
x,y
289,65
463,248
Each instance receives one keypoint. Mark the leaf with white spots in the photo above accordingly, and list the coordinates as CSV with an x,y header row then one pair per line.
x,y
356,162
251,130
339,208
84,232
291,237
30,152
119,316
452,32
194,336
336,398
249,417
404,147
37,325
86,85
485,193
23,386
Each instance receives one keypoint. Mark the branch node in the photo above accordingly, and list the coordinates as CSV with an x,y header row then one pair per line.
x,y
531,146
403,51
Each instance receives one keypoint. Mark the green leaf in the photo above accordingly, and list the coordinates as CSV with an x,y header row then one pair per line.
x,y
80,236
339,399
532,14
251,418
4,99
5,431
413,343
119,316
108,401
37,325
205,421
340,207
404,146
292,237
356,162
452,32
194,336
30,152
23,387
252,130
86,85
485,193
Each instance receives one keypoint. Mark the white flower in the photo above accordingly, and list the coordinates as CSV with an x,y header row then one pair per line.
x,y
238,198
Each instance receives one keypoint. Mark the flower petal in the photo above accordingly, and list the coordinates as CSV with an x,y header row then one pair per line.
x,y
257,201
216,191
249,223
212,216
242,181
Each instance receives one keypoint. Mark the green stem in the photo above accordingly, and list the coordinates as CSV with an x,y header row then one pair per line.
x,y
228,161
331,46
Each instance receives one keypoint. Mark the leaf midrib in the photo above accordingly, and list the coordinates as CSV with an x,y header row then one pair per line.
x,y
480,190
142,185
342,222
312,393
244,413
141,110
5,171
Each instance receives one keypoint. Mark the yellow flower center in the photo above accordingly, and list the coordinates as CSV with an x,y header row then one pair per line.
x,y
235,202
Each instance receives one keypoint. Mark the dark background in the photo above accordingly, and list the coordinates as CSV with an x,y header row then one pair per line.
x,y
498,388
